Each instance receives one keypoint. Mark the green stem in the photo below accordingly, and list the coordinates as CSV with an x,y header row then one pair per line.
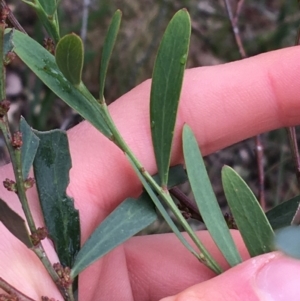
x,y
50,23
15,155
70,293
204,256
16,161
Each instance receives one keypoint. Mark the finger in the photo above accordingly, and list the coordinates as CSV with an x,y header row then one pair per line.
x,y
222,104
150,267
160,266
22,269
269,277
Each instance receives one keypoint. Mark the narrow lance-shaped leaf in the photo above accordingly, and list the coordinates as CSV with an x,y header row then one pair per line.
x,y
14,223
69,57
132,216
206,200
51,169
96,251
44,66
249,217
108,46
204,255
163,211
282,215
166,88
29,147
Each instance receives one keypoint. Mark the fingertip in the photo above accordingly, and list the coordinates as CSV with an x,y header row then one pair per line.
x,y
269,277
279,280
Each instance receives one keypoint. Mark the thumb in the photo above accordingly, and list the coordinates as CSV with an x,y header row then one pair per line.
x,y
269,277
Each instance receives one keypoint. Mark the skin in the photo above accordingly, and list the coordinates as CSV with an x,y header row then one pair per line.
x,y
223,105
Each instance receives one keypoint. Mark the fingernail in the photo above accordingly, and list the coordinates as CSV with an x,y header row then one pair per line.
x,y
279,280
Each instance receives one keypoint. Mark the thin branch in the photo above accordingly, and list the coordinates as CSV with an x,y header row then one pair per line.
x,y
261,176
295,151
292,134
234,18
186,202
9,289
85,17
239,7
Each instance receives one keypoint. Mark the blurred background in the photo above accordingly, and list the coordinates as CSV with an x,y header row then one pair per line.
x,y
264,25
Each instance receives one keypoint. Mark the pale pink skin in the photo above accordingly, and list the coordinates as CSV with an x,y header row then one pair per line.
x,y
223,105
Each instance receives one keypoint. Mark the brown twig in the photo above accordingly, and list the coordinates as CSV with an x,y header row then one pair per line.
x,y
261,175
186,202
295,151
9,289
234,18
12,19
292,135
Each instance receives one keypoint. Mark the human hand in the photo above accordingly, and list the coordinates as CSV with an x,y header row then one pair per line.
x,y
223,105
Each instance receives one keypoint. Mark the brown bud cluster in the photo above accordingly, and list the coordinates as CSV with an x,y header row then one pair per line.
x,y
16,141
186,215
28,183
184,211
10,56
10,185
4,107
49,45
230,221
64,275
38,235
4,14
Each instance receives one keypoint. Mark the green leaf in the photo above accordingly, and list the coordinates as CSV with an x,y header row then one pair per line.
x,y
51,169
177,175
126,220
166,88
69,57
49,21
283,214
287,240
204,256
108,46
29,147
250,219
206,200
163,211
49,6
8,43
44,66
15,224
